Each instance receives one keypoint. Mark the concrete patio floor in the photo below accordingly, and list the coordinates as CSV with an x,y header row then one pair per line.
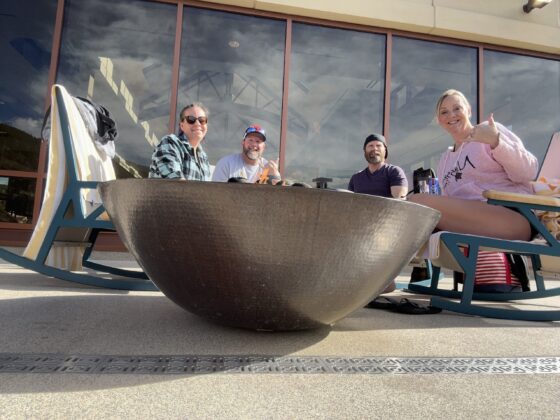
x,y
120,353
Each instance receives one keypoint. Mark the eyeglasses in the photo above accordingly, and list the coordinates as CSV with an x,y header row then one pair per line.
x,y
191,120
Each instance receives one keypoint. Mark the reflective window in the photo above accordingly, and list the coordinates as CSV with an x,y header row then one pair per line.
x,y
233,64
524,95
337,83
119,53
421,72
25,47
19,149
16,199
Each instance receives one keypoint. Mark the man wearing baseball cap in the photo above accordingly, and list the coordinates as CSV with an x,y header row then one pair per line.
x,y
249,164
379,178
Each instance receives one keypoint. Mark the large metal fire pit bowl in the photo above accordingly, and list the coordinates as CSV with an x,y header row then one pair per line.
x,y
265,257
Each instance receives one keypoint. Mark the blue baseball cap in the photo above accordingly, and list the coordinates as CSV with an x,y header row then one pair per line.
x,y
255,128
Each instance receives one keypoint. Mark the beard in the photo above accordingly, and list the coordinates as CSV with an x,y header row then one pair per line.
x,y
252,154
373,158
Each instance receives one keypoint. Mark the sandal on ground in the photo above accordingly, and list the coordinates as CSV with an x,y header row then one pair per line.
x,y
382,302
402,306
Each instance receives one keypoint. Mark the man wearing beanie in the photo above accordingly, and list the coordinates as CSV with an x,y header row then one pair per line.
x,y
379,178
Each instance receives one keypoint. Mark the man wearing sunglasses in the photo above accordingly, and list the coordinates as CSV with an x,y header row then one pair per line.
x,y
182,156
249,164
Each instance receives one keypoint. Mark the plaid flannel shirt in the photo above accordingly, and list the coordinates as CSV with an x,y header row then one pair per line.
x,y
174,157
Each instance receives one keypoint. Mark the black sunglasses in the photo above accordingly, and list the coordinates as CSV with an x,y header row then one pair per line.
x,y
191,120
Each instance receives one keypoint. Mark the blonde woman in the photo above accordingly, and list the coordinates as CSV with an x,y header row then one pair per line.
x,y
482,157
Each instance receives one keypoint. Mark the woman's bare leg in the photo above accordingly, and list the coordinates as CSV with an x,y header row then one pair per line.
x,y
476,217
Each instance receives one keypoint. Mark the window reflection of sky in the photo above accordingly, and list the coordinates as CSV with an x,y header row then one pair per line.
x,y
421,72
25,47
137,37
234,65
524,94
335,101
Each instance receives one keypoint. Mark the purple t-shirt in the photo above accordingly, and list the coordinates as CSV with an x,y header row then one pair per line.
x,y
379,182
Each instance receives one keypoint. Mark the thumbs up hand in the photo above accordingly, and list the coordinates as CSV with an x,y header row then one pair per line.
x,y
485,132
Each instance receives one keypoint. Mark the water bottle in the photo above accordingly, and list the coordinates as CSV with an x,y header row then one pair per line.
x,y
434,186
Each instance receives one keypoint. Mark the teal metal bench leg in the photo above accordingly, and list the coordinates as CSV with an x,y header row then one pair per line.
x,y
82,278
465,304
107,268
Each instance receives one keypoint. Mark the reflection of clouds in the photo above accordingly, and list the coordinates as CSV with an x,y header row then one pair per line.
x,y
25,105
261,41
139,42
29,125
132,32
430,63
523,69
421,72
514,91
322,51
337,81
336,100
24,84
240,85
118,36
524,93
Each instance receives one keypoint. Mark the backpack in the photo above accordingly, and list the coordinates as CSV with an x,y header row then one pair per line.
x,y
421,174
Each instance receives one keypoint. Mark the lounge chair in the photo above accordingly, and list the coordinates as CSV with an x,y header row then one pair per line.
x,y
72,215
447,250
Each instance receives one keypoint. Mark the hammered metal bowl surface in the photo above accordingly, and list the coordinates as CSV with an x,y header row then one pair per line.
x,y
265,257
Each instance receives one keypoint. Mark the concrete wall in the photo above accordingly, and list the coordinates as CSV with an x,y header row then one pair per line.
x,y
500,22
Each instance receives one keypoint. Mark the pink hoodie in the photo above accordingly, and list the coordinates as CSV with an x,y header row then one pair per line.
x,y
475,167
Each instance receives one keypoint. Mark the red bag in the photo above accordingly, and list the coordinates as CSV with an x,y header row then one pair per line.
x,y
493,273
494,268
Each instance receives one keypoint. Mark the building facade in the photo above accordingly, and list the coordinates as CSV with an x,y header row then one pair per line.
x,y
318,75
